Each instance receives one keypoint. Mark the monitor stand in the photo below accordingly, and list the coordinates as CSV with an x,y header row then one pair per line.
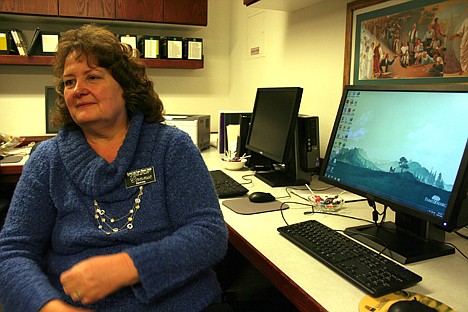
x,y
278,178
398,243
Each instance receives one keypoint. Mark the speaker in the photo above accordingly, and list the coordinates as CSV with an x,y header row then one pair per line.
x,y
308,143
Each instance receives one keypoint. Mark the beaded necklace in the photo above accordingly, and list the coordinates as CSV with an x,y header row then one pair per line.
x,y
109,225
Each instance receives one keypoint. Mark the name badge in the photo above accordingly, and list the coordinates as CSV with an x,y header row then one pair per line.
x,y
140,177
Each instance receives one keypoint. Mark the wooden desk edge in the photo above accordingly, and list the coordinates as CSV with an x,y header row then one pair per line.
x,y
11,173
302,300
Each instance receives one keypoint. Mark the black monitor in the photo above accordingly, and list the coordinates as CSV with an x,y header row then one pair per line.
x,y
271,133
406,148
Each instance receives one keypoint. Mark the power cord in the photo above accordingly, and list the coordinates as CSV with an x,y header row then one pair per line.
x,y
376,214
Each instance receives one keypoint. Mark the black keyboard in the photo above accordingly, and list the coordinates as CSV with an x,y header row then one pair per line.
x,y
226,186
370,271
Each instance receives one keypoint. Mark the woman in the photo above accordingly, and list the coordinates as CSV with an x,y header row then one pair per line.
x,y
437,69
117,212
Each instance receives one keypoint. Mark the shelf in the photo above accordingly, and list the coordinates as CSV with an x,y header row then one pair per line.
x,y
150,63
281,5
26,60
173,64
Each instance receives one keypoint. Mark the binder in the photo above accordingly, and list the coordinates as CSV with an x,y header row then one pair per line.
x,y
44,42
20,41
4,42
171,47
131,40
12,48
192,49
149,46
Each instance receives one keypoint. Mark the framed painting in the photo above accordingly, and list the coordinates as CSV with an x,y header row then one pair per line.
x,y
50,109
406,42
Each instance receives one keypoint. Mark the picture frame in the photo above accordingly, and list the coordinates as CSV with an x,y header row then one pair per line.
x,y
377,21
50,109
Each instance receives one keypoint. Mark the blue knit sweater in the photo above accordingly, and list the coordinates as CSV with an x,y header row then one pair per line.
x,y
178,233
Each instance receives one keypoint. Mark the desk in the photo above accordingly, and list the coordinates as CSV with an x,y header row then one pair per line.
x,y
10,172
312,286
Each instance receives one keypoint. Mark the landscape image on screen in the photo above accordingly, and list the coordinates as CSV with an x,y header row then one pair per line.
x,y
405,147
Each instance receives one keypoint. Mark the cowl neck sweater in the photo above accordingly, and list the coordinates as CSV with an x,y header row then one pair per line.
x,y
92,174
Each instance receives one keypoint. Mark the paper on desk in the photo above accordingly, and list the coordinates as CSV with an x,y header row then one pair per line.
x,y
8,143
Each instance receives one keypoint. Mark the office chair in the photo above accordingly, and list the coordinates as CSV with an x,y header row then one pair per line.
x,y
4,203
219,307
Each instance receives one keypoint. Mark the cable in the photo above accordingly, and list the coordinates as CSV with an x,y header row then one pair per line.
x,y
465,256
281,209
461,235
382,242
375,221
249,181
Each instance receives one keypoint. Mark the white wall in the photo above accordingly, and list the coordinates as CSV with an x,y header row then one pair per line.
x,y
303,48
186,91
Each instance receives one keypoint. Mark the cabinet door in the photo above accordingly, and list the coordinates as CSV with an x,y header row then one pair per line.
x,y
188,12
87,8
34,7
141,11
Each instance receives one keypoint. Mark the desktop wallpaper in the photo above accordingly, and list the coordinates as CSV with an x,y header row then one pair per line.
x,y
403,146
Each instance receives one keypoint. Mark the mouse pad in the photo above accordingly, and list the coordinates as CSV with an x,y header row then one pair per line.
x,y
382,304
11,159
245,206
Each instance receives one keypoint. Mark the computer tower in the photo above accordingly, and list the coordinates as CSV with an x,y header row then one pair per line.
x,y
308,143
304,157
304,151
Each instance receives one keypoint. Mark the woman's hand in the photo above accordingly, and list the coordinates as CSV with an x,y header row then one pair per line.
x,y
95,278
58,305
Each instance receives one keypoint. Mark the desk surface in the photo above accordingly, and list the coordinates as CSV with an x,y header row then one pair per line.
x,y
310,285
10,172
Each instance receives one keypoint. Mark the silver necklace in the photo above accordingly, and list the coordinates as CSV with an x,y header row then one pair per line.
x,y
109,224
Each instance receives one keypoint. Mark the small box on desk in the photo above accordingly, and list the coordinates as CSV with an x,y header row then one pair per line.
x,y
171,47
197,126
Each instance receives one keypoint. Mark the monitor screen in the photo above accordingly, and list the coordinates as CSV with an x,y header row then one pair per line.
x,y
272,124
273,121
404,147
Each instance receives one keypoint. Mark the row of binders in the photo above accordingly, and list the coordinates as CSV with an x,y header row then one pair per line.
x,y
168,47
14,42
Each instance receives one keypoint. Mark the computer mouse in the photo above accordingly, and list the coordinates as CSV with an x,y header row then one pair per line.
x,y
261,197
410,306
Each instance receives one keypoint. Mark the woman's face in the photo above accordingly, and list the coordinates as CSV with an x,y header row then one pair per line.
x,y
93,96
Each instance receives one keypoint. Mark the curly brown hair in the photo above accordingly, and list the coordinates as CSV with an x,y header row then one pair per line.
x,y
102,48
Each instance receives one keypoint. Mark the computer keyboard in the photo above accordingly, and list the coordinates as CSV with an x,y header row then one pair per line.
x,y
226,186
370,271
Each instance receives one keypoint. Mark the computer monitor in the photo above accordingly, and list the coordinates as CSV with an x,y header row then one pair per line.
x,y
271,133
406,148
